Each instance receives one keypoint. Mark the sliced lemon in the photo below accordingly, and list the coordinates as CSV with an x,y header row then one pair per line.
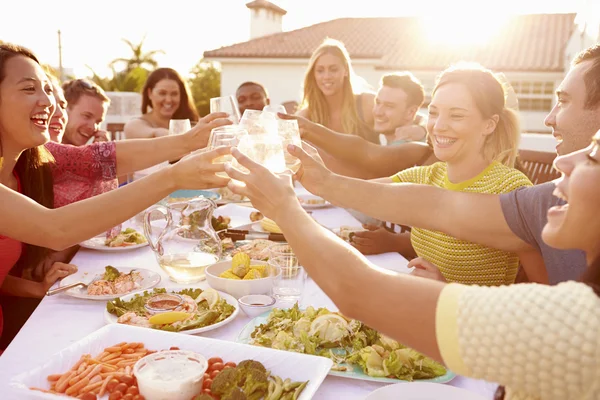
x,y
168,317
211,296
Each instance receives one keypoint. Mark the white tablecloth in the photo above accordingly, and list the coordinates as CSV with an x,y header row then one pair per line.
x,y
61,320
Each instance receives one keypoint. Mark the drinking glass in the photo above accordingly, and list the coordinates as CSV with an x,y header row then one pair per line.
x,y
226,104
178,126
275,108
266,150
290,134
228,136
289,278
258,122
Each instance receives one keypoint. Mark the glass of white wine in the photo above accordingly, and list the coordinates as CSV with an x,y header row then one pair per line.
x,y
184,241
290,134
179,126
226,104
225,136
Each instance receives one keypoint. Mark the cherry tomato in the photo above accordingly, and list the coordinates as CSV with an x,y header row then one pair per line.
x,y
231,364
215,366
214,373
88,396
133,390
126,379
111,385
207,391
206,383
215,360
227,367
139,397
174,348
128,397
115,396
206,376
121,387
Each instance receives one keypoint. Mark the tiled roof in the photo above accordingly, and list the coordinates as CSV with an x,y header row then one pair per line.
x,y
266,4
528,43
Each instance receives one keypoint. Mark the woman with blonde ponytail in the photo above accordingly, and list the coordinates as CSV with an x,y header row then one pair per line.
x,y
476,138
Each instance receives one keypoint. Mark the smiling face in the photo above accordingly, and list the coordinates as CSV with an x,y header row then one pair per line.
x,y
251,97
85,118
60,118
572,123
165,98
456,126
26,104
329,73
576,225
391,110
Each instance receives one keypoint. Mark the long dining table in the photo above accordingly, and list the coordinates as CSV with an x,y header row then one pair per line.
x,y
61,320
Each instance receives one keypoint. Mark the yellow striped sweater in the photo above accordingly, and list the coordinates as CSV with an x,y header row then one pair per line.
x,y
458,260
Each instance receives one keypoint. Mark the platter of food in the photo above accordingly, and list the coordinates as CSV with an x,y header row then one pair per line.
x,y
310,201
149,364
176,309
109,282
358,352
127,239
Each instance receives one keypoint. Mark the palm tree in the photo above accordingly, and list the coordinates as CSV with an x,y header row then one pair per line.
x,y
140,59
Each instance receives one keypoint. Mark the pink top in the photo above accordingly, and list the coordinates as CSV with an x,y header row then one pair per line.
x,y
10,252
82,172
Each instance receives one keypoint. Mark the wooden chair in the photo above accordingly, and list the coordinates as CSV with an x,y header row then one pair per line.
x,y
115,130
537,165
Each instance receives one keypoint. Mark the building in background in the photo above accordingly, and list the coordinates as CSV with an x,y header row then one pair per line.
x,y
532,51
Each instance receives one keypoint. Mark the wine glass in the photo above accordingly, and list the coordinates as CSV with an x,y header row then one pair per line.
x,y
225,136
178,126
257,122
266,150
274,109
226,104
290,134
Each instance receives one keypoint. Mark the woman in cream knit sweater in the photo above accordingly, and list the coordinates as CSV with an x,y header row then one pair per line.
x,y
541,342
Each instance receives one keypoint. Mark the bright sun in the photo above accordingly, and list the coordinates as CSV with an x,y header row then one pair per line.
x,y
463,28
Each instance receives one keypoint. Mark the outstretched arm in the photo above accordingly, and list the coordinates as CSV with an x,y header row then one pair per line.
x,y
137,154
375,160
468,216
27,221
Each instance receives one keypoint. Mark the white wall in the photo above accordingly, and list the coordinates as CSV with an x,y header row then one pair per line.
x,y
264,22
539,142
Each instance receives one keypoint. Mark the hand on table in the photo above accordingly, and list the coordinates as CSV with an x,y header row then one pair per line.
x,y
198,136
58,271
270,193
425,269
375,240
197,171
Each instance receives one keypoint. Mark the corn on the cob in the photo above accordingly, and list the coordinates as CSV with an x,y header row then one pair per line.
x,y
269,225
262,269
240,264
229,275
252,274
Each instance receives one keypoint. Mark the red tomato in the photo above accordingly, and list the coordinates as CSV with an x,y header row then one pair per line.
x,y
231,364
121,387
215,366
206,383
139,397
174,348
115,396
215,360
214,373
112,384
128,397
207,391
126,379
206,376
133,390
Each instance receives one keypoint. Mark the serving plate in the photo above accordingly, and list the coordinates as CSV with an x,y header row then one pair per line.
x,y
97,243
422,391
297,367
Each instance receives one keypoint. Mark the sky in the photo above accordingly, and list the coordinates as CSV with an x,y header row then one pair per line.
x,y
92,32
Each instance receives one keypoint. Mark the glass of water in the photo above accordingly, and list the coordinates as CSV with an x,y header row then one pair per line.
x,y
289,278
179,126
226,104
266,150
290,134
225,136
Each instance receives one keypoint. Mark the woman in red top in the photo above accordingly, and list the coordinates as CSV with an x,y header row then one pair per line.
x,y
26,106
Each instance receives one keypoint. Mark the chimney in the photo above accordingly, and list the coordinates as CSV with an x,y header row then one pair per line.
x,y
265,18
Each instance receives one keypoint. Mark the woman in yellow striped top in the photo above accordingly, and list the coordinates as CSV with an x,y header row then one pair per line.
x,y
541,342
476,138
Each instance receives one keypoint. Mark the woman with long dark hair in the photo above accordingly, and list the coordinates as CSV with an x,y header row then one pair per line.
x,y
541,342
165,96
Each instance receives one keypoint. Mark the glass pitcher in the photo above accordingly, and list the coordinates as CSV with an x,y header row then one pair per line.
x,y
184,242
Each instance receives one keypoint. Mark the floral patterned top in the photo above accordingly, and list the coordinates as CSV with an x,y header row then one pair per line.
x,y
82,172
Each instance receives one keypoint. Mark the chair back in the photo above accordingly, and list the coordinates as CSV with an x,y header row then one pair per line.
x,y
116,130
537,165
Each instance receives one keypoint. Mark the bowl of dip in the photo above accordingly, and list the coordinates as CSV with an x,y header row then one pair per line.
x,y
170,375
164,302
256,304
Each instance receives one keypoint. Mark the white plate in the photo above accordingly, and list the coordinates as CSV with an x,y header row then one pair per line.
x,y
149,280
97,243
422,391
240,215
298,367
112,319
312,206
